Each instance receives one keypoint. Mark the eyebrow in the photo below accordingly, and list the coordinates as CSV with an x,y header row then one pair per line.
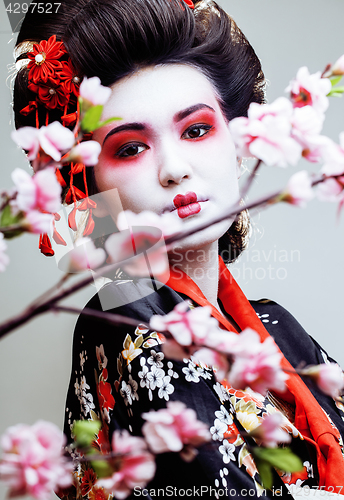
x,y
127,126
188,111
141,126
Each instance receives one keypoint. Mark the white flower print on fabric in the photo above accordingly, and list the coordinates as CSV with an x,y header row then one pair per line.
x,y
227,451
204,372
87,402
221,392
224,416
83,384
102,359
133,386
155,379
223,473
86,399
218,429
166,389
129,391
144,382
77,388
82,359
156,359
170,370
191,373
264,319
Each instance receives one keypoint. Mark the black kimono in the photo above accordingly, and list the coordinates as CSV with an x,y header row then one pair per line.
x,y
120,372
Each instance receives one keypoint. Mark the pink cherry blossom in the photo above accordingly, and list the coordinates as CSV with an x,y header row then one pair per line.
x,y
38,223
27,139
215,360
55,138
331,190
306,127
86,152
52,139
167,223
299,189
257,364
174,428
338,67
309,90
331,380
4,258
136,250
185,325
40,192
84,256
328,376
334,157
136,465
173,350
32,463
93,92
266,133
136,244
269,432
224,341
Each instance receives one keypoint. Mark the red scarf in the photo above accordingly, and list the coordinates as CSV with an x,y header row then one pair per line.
x,y
310,419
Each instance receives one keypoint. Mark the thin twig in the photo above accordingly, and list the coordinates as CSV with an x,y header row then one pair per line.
x,y
51,290
7,201
269,199
326,70
32,310
110,318
14,227
250,179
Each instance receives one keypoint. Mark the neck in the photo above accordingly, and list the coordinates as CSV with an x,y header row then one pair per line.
x,y
202,266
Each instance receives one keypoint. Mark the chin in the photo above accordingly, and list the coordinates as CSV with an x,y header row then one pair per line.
x,y
204,238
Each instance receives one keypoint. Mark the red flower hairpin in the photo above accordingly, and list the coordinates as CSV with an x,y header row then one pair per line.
x,y
45,60
189,3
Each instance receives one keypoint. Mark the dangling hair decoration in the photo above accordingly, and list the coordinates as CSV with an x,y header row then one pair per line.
x,y
52,77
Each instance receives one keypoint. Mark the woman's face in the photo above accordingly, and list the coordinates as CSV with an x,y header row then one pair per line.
x,y
171,151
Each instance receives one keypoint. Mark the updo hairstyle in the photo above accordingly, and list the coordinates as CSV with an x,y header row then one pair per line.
x,y
113,39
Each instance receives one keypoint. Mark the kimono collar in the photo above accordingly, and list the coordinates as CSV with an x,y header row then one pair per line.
x,y
310,418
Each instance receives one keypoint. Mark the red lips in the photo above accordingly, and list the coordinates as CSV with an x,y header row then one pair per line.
x,y
186,204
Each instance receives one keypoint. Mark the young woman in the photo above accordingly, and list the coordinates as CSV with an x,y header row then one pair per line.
x,y
177,75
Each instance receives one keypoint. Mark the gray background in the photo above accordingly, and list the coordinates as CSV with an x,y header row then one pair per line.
x,y
35,360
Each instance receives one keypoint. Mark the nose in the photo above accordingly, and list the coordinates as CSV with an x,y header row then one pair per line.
x,y
174,166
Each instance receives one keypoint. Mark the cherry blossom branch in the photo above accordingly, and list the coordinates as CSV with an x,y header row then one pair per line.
x,y
7,201
250,179
13,228
326,70
34,310
110,318
233,211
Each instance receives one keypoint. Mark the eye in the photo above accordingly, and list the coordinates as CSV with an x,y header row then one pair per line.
x,y
196,131
131,149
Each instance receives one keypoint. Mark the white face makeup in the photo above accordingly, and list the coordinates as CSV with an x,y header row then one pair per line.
x,y
171,150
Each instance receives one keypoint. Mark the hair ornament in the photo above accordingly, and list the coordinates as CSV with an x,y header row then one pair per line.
x,y
45,60
54,80
189,3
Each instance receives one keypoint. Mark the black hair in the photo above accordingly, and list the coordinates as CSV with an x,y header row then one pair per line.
x,y
112,39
